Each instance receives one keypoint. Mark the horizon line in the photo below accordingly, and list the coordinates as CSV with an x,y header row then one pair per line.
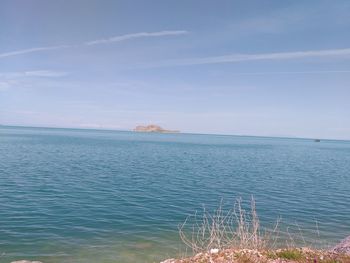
x,y
194,133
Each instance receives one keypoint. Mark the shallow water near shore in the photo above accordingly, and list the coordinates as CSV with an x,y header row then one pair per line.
x,y
69,195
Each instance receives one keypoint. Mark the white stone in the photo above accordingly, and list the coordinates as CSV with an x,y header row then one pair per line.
x,y
214,251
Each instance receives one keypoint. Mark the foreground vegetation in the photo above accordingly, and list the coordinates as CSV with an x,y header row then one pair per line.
x,y
288,255
236,236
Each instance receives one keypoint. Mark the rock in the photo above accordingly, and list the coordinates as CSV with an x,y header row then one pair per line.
x,y
343,246
152,128
26,261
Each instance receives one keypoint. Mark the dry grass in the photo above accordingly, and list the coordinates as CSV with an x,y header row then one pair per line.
x,y
236,236
235,228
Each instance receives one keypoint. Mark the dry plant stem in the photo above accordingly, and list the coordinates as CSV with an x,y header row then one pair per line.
x,y
235,228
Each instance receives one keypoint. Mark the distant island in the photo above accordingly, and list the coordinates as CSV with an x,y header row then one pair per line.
x,y
153,128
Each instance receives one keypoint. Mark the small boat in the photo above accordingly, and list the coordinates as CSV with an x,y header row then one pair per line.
x,y
317,140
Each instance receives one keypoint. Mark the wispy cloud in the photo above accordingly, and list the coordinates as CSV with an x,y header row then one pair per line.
x,y
34,73
136,35
31,50
97,42
293,72
4,85
45,73
27,78
254,57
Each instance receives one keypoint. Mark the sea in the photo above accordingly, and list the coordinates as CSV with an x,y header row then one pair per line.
x,y
75,195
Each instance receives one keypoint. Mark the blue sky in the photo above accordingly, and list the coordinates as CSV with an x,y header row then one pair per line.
x,y
271,68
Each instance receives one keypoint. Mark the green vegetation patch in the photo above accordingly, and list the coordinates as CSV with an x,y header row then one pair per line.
x,y
293,254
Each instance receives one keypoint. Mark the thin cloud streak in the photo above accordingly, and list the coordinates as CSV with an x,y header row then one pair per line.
x,y
253,57
45,73
96,42
32,50
136,35
33,73
293,72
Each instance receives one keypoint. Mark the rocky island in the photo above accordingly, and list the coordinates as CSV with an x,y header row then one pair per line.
x,y
153,128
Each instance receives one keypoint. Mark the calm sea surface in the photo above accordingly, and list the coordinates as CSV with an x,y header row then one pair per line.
x,y
89,196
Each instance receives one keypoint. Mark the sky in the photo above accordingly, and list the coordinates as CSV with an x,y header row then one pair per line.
x,y
266,68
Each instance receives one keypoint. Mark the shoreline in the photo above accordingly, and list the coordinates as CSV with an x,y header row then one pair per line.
x,y
338,254
285,255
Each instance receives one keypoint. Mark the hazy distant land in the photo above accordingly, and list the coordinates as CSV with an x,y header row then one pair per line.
x,y
153,128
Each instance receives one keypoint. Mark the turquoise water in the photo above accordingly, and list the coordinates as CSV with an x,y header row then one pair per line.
x,y
104,196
